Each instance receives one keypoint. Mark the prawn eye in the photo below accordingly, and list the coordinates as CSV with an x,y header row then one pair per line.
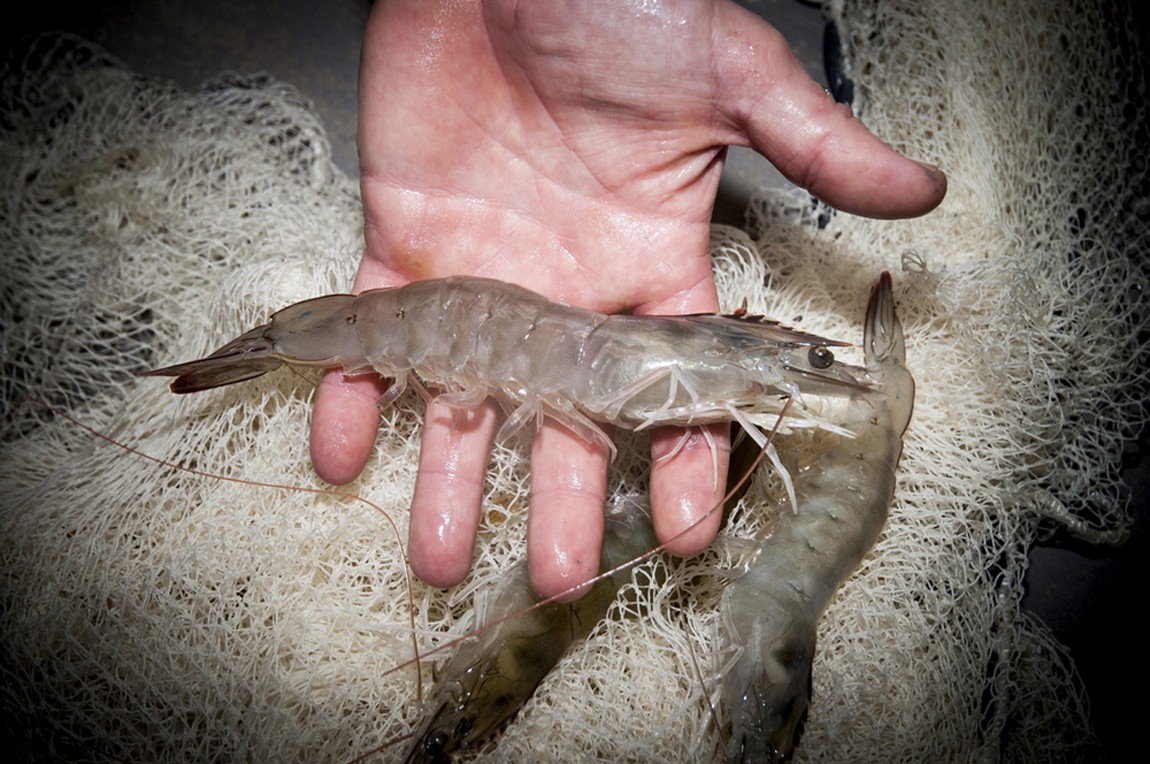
x,y
820,357
436,745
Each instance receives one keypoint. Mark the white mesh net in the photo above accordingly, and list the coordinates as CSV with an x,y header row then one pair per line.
x,y
154,614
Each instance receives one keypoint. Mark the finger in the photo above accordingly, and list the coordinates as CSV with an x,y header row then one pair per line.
x,y
815,142
345,416
343,425
565,521
449,491
687,487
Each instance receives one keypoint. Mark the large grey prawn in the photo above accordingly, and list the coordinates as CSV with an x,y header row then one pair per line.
x,y
844,488
474,338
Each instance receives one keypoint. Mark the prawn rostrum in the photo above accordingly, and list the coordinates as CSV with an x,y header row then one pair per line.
x,y
473,338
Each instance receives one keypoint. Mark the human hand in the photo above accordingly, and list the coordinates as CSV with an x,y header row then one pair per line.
x,y
574,148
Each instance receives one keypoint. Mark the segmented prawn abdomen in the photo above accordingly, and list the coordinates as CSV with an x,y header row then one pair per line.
x,y
543,353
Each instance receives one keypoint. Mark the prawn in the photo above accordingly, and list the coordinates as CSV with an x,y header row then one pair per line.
x,y
474,338
491,676
771,612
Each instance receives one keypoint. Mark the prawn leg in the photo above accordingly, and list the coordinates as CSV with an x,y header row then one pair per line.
x,y
566,414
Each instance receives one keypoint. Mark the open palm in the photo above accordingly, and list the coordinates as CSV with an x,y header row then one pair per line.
x,y
574,148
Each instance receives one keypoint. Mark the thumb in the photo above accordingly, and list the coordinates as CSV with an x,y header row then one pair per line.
x,y
815,142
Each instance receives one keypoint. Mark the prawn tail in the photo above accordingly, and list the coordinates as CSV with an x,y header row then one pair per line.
x,y
246,357
882,332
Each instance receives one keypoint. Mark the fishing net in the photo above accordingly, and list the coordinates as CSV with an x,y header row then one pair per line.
x,y
156,614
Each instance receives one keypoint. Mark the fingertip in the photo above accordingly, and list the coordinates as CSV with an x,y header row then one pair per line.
x,y
565,520
440,553
343,426
563,552
687,487
860,175
448,494
854,171
935,185
445,512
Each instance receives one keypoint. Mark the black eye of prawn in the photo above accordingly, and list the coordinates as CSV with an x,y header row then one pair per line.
x,y
820,357
436,746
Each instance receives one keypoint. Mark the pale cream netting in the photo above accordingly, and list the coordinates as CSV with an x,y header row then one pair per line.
x,y
154,615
